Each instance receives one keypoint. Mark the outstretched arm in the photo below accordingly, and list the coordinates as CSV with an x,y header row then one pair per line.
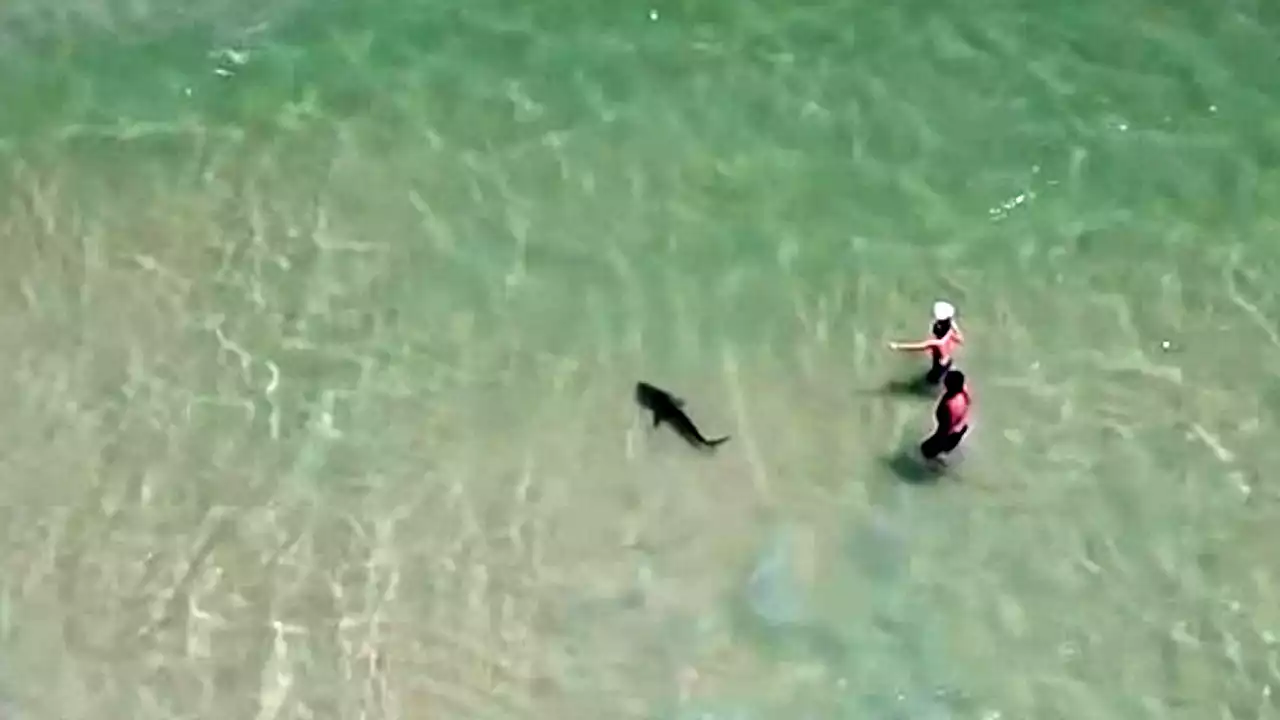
x,y
913,346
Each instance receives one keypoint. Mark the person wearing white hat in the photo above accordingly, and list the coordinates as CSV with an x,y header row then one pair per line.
x,y
945,338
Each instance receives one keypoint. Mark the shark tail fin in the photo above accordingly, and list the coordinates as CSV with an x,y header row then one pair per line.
x,y
712,444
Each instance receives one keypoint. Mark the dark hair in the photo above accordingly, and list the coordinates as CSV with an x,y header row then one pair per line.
x,y
954,381
941,328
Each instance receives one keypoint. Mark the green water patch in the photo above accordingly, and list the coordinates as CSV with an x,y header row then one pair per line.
x,y
330,60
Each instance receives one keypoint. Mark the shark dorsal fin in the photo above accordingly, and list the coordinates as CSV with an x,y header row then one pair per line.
x,y
679,402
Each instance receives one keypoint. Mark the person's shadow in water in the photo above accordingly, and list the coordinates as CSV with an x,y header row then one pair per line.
x,y
907,464
910,468
916,386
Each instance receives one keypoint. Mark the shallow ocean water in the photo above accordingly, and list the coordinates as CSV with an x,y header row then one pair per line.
x,y
321,324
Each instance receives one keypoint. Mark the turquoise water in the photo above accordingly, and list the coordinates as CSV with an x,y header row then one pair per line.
x,y
322,321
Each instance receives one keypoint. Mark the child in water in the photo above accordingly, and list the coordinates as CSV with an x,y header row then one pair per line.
x,y
945,339
952,415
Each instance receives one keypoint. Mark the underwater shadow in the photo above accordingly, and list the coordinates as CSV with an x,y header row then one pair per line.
x,y
916,386
907,465
793,637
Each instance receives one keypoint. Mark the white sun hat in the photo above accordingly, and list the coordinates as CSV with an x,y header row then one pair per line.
x,y
943,310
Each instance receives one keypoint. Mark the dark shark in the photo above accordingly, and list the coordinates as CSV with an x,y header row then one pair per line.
x,y
669,409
